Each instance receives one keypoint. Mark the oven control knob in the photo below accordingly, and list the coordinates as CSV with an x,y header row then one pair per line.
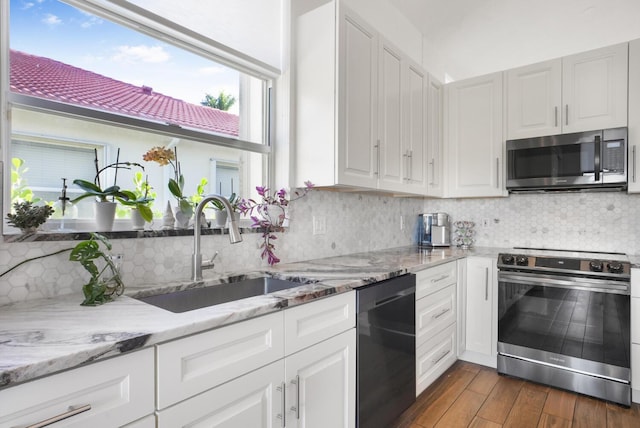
x,y
507,259
522,260
595,266
614,267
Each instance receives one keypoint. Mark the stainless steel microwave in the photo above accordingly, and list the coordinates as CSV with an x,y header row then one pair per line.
x,y
592,160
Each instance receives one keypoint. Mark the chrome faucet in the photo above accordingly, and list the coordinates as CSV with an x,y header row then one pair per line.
x,y
234,235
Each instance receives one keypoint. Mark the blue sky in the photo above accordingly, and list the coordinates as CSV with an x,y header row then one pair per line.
x,y
56,30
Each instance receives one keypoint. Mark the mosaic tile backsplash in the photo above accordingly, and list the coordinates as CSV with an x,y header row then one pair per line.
x,y
599,221
354,223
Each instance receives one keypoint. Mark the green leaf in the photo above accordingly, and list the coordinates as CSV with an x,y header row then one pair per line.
x,y
174,188
88,186
17,162
186,207
145,213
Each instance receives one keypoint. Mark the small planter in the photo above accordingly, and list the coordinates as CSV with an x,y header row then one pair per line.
x,y
137,222
221,218
105,214
182,220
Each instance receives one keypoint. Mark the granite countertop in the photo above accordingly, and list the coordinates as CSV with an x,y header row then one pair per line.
x,y
41,337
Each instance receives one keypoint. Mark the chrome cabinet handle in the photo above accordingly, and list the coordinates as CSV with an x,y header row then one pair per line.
x,y
437,360
296,408
444,311
566,114
410,169
433,173
633,158
377,147
283,408
486,283
433,281
555,112
69,413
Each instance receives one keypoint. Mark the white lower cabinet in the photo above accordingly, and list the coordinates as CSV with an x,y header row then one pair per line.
x,y
436,316
114,392
253,400
480,311
282,369
321,384
635,335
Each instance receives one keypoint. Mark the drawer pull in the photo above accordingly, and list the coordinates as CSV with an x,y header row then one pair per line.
x,y
69,413
444,311
433,281
437,360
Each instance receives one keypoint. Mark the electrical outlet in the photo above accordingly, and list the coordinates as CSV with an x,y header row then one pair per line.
x,y
319,225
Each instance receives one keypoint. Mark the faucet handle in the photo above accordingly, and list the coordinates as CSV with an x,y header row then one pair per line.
x,y
208,264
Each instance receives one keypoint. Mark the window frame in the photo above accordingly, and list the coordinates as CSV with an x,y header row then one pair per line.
x,y
138,19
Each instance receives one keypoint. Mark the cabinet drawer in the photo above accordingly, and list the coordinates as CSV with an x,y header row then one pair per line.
x,y
189,366
119,390
433,279
314,322
434,357
434,313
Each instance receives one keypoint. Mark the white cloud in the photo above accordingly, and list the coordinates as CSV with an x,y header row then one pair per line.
x,y
51,20
27,5
141,53
91,20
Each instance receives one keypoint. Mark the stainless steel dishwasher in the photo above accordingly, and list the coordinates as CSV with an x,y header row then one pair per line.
x,y
386,350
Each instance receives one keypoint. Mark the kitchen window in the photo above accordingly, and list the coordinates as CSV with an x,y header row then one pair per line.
x,y
91,78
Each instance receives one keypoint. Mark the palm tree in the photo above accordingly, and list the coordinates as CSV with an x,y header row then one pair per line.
x,y
222,102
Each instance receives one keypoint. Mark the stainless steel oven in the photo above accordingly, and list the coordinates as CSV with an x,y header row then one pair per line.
x,y
564,321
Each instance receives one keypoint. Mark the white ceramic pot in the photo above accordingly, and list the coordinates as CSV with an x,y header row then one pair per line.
x,y
182,220
137,222
105,214
221,218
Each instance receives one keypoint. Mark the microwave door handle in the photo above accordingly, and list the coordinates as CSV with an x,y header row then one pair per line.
x,y
596,160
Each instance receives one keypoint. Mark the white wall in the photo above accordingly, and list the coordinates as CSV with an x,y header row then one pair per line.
x,y
466,38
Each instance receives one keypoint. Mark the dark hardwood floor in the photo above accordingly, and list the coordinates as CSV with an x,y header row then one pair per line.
x,y
469,395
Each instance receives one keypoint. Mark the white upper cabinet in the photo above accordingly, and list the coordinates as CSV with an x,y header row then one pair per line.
x,y
435,140
576,93
390,108
634,116
534,100
360,104
474,137
594,89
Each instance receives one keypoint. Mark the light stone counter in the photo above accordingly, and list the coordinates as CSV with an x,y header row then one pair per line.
x,y
41,337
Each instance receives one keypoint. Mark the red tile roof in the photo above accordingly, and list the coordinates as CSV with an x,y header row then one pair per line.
x,y
46,78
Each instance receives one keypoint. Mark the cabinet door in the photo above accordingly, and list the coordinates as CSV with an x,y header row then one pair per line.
x,y
191,365
254,400
321,384
480,311
594,89
358,154
435,140
474,143
415,138
634,116
390,113
534,100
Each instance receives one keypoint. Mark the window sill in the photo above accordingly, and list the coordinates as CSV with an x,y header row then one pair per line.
x,y
118,234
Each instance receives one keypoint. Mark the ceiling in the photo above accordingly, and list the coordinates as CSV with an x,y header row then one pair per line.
x,y
465,38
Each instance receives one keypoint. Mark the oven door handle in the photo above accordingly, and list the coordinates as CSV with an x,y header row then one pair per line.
x,y
588,284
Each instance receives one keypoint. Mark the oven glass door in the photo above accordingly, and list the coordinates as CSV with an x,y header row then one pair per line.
x,y
581,323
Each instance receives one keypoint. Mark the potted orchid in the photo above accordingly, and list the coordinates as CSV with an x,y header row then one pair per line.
x,y
270,215
165,156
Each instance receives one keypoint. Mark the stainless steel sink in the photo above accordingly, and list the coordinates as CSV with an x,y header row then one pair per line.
x,y
196,298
